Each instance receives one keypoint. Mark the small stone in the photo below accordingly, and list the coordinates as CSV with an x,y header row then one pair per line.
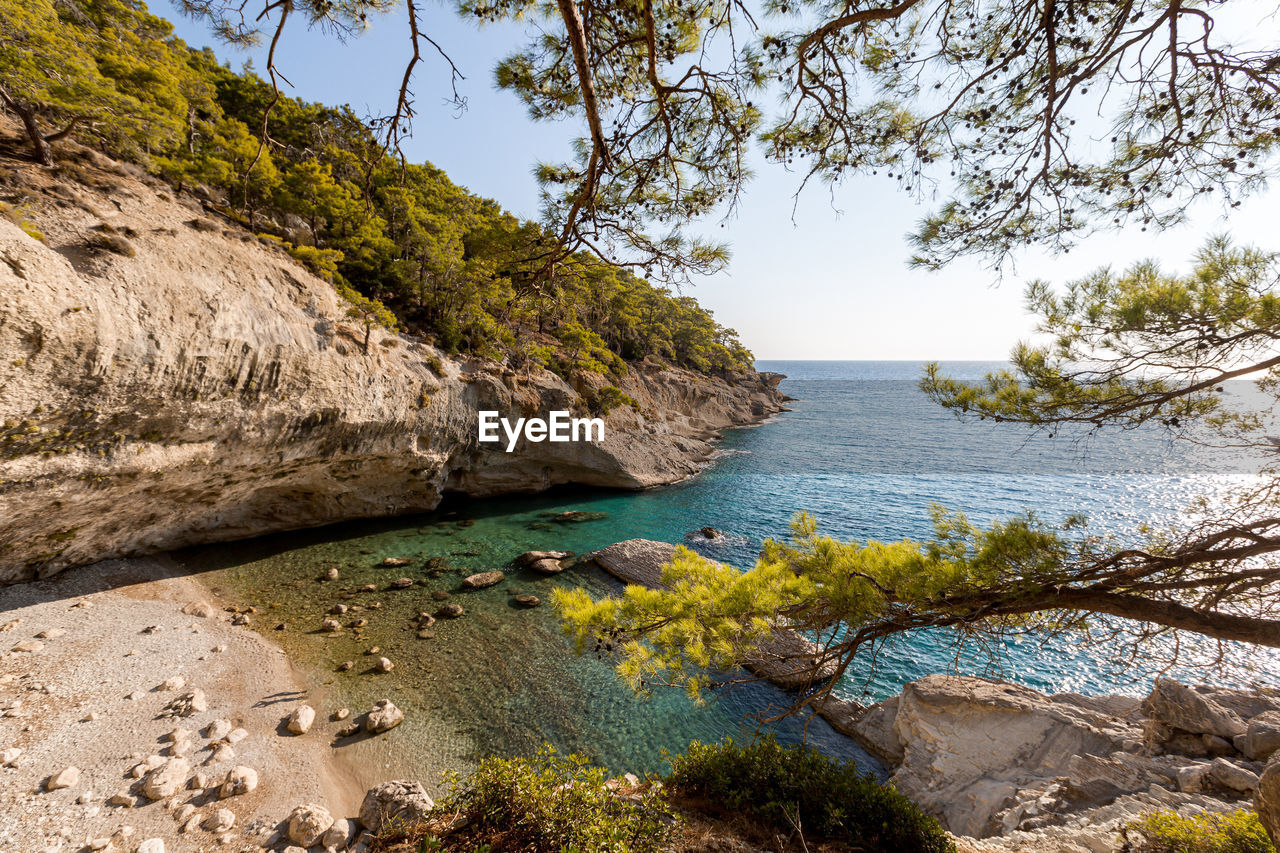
x,y
395,562
187,704
220,649
236,735
483,579
182,747
151,845
240,780
527,600
68,777
167,779
300,720
331,625
547,567
182,812
375,605
220,821
122,798
30,646
100,843
221,752
198,781
369,587
241,619
384,665
177,682
178,734
337,836
339,609
203,609
51,634
402,583
307,823
346,666
450,611
341,714
332,574
85,798
9,758
217,729
349,730
1191,779
359,623
384,717
440,595
426,620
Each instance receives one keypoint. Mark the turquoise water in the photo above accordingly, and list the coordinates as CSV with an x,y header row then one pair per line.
x,y
862,450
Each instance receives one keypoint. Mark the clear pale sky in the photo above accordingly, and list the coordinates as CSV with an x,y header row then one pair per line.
x,y
833,284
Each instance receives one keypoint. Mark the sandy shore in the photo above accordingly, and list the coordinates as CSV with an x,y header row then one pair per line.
x,y
92,698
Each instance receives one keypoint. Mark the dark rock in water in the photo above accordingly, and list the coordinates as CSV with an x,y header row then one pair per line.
x,y
346,666
527,600
436,563
440,595
538,525
547,567
466,522
369,587
483,579
576,516
402,583
711,533
530,557
450,611
366,550
426,620
395,562
466,552
426,635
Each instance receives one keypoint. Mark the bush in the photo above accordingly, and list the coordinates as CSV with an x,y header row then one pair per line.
x,y
789,787
112,243
550,803
609,398
1168,832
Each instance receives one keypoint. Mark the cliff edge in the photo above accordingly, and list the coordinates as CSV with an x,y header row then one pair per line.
x,y
167,379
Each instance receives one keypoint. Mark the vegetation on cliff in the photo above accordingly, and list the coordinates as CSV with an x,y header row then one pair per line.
x,y
400,240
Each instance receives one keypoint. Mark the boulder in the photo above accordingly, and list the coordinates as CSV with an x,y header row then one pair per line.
x,y
220,821
1267,799
240,780
1232,776
167,779
1181,707
483,579
300,720
526,600
337,836
710,533
307,823
384,716
547,567
395,562
394,803
1262,738
151,845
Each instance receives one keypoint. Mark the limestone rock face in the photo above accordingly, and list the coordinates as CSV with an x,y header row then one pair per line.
x,y
1262,738
785,657
400,802
209,388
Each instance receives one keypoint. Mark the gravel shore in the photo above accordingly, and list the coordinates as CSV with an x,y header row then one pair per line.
x,y
98,669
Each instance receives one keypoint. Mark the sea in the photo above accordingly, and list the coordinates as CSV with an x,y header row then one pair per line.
x,y
862,449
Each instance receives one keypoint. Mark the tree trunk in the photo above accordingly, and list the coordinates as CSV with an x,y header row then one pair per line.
x,y
29,114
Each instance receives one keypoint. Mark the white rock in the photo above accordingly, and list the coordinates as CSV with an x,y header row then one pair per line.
x,y
1232,776
240,780
385,665
220,821
182,812
220,753
400,801
203,609
176,682
384,716
301,719
31,646
99,843
236,735
217,729
178,734
307,823
167,779
338,836
9,758
123,798
66,778
151,845
51,634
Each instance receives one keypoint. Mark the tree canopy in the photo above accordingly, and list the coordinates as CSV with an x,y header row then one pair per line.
x,y
1031,121
1143,348
403,243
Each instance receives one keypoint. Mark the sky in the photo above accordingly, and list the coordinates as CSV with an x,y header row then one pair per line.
x,y
827,280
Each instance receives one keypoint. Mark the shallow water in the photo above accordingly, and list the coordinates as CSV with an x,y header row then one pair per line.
x,y
863,451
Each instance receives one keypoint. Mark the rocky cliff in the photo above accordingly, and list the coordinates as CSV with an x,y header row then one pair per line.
x,y
168,379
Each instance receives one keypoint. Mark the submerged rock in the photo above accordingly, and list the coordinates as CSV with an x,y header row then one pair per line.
x,y
450,611
528,558
395,562
483,579
527,600
384,717
547,567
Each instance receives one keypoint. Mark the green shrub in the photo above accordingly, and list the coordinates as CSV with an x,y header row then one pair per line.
x,y
790,787
18,217
552,803
1168,832
112,243
609,398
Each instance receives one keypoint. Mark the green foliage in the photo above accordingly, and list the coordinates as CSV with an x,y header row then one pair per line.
x,y
1235,832
794,788
447,264
551,803
17,217
608,398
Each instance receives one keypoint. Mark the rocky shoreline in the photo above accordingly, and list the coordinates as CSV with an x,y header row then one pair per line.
x,y
1029,772
205,387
